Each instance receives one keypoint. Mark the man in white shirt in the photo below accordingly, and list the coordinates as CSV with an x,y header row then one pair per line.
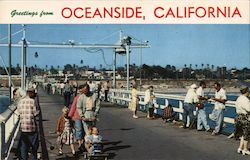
x,y
217,114
189,107
201,113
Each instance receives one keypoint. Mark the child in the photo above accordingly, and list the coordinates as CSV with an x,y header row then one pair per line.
x,y
86,139
96,141
64,131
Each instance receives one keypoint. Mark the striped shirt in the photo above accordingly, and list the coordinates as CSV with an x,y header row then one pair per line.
x,y
26,108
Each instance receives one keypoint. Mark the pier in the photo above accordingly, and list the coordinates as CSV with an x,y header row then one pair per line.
x,y
135,139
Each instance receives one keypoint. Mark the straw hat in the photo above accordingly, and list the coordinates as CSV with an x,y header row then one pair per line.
x,y
193,86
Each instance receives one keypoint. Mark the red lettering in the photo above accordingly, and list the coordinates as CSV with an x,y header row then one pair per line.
x,y
138,12
87,12
236,12
118,14
76,11
155,12
200,9
170,13
211,11
97,13
189,11
178,14
129,12
65,10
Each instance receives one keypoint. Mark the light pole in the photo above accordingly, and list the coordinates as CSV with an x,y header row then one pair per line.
x,y
9,43
127,42
24,62
114,69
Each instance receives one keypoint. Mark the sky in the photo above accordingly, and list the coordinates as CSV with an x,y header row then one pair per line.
x,y
174,44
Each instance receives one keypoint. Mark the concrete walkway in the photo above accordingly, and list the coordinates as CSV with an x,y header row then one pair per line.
x,y
141,139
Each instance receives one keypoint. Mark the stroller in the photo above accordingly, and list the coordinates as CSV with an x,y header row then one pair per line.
x,y
96,152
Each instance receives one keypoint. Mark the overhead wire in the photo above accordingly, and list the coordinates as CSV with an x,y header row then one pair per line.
x,y
6,70
93,50
11,35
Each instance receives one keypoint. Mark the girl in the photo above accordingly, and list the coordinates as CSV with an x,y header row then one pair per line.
x,y
95,141
86,139
64,131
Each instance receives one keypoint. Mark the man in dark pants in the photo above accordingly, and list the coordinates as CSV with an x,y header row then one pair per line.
x,y
67,93
27,111
189,107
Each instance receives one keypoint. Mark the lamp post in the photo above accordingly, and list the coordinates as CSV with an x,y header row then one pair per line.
x,y
24,62
9,44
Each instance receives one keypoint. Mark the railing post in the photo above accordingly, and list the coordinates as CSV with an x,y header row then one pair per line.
x,y
180,107
2,132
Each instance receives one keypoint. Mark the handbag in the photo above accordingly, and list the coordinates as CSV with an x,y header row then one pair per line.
x,y
200,105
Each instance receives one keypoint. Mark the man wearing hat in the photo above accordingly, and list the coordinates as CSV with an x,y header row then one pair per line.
x,y
27,111
189,105
242,121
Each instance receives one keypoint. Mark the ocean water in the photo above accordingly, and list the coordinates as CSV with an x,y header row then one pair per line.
x,y
4,103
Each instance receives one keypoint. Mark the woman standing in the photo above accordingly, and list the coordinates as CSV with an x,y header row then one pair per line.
x,y
242,128
134,101
78,122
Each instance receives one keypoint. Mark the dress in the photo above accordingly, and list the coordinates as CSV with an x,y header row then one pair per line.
x,y
134,101
242,119
67,136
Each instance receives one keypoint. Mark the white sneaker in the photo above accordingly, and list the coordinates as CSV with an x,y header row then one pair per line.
x,y
245,152
134,116
239,150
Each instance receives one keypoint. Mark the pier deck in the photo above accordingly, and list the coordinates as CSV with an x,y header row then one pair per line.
x,y
140,139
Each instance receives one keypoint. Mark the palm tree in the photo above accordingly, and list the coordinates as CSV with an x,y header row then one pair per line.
x,y
212,67
81,61
202,65
196,66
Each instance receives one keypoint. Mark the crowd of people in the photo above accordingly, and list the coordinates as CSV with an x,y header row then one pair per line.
x,y
77,122
196,100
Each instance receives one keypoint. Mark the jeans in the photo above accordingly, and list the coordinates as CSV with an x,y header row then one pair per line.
x,y
217,115
106,95
188,111
202,120
66,99
79,129
29,140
